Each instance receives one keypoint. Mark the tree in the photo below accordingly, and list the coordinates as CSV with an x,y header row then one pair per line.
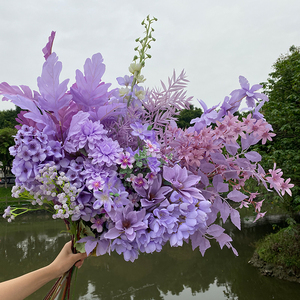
x,y
6,141
8,117
186,115
283,112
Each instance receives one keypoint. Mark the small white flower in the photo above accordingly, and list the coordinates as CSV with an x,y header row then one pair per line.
x,y
140,94
134,67
123,91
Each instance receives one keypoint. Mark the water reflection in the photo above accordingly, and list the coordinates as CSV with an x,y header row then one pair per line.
x,y
175,273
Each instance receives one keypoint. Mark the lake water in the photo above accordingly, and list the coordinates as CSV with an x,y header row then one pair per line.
x,y
33,241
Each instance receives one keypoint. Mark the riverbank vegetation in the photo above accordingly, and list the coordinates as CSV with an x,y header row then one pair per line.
x,y
282,248
278,254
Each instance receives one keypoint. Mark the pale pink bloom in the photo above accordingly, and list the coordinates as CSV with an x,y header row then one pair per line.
x,y
275,180
258,128
248,122
267,136
258,205
286,186
259,215
125,160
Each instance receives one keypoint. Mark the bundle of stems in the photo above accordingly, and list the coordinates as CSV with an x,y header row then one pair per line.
x,y
63,283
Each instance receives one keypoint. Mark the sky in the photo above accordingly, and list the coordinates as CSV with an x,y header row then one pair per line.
x,y
214,41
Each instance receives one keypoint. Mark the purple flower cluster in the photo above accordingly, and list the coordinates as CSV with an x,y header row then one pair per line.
x,y
114,165
32,148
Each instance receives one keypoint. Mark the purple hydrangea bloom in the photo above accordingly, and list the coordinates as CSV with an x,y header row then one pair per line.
x,y
89,134
106,152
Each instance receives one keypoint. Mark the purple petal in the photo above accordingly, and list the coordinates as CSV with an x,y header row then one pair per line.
x,y
244,83
112,233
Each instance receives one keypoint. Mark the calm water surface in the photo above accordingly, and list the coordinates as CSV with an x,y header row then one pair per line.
x,y
34,240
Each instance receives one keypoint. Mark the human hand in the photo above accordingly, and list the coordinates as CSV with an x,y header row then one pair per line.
x,y
66,259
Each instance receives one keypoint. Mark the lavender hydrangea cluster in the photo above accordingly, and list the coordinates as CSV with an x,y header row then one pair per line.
x,y
114,166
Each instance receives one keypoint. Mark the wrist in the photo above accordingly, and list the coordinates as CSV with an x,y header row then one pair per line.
x,y
53,271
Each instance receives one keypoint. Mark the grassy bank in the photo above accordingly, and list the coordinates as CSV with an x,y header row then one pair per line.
x,y
282,248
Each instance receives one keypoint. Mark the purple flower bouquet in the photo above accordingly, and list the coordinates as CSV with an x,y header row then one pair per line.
x,y
113,164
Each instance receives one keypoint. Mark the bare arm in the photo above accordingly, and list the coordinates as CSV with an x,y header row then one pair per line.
x,y
21,287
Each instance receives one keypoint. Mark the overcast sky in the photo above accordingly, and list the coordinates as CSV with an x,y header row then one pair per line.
x,y
214,41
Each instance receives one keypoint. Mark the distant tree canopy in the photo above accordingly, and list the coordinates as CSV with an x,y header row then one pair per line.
x,y
6,141
283,113
8,117
186,115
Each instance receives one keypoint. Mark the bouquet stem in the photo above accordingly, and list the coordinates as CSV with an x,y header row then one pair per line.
x,y
62,283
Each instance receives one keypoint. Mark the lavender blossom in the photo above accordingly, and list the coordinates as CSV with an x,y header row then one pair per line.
x,y
127,222
182,182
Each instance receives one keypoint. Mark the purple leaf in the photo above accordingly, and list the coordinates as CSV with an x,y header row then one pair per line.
x,y
215,230
109,110
53,95
232,148
204,179
89,91
206,167
253,156
261,170
243,163
236,196
48,48
6,89
223,239
222,207
230,174
219,159
235,218
249,141
225,211
219,184
198,240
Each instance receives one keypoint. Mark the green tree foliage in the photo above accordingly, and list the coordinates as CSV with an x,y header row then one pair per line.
x,y
186,115
6,141
283,113
8,117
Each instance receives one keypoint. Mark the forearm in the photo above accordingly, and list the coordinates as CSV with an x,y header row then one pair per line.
x,y
21,287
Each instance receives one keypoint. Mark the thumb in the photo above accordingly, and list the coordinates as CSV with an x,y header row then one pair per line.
x,y
79,258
